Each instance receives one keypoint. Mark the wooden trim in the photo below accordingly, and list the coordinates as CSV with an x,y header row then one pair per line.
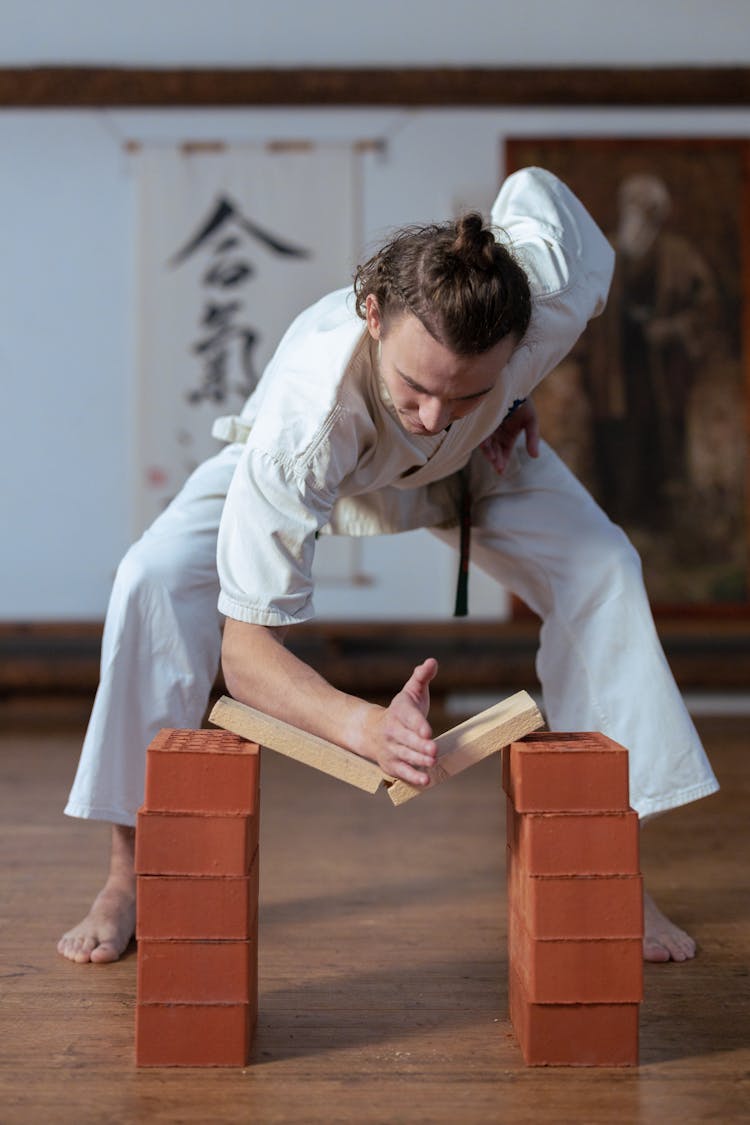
x,y
97,86
376,659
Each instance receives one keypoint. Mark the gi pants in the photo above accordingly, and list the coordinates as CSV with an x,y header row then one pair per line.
x,y
535,529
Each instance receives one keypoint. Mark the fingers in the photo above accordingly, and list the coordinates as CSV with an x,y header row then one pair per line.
x,y
408,748
495,454
412,765
416,693
498,447
415,759
424,672
526,419
409,766
411,776
408,733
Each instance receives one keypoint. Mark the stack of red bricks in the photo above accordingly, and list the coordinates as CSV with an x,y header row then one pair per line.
x,y
197,908
575,901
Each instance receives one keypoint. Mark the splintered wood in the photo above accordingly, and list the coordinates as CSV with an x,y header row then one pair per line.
x,y
477,738
459,748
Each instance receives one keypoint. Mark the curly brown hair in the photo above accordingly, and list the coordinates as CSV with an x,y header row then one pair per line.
x,y
465,287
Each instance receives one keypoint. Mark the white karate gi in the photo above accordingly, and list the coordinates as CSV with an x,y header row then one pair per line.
x,y
319,448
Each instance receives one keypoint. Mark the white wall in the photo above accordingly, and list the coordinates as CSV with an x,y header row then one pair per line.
x,y
387,32
67,234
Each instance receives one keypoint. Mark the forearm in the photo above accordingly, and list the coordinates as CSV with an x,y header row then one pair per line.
x,y
260,672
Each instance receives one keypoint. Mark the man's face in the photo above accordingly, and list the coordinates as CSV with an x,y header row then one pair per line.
x,y
429,385
644,207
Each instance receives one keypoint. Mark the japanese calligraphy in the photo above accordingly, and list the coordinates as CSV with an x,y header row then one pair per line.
x,y
227,341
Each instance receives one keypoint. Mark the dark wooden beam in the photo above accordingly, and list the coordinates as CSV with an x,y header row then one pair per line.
x,y
375,660
79,87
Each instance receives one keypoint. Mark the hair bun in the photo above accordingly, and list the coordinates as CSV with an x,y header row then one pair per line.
x,y
474,241
466,288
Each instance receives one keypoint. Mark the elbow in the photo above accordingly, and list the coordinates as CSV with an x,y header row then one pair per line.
x,y
230,665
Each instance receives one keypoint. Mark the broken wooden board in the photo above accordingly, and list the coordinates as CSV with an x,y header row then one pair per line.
x,y
459,748
477,738
298,744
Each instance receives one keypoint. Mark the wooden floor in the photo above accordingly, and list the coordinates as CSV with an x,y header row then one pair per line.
x,y
383,972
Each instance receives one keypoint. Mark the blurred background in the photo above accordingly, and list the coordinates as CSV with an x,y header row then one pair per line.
x,y
150,261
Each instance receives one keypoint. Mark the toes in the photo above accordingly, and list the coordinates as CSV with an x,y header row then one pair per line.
x,y
677,946
72,951
105,952
677,953
689,945
663,940
70,945
684,948
655,951
84,947
105,931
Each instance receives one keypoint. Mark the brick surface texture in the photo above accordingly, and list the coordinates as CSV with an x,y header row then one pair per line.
x,y
575,901
197,868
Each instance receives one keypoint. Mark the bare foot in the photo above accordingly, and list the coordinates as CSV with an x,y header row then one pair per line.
x,y
105,932
662,939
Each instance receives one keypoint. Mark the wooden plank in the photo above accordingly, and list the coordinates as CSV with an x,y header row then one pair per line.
x,y
459,748
298,744
475,739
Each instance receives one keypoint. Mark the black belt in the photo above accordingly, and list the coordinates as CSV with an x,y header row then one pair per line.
x,y
462,584
464,508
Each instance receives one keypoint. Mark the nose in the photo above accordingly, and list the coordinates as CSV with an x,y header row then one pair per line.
x,y
434,414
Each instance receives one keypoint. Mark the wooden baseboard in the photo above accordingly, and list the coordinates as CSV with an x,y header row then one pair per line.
x,y
52,659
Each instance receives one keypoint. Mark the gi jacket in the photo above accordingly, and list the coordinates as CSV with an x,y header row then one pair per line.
x,y
324,450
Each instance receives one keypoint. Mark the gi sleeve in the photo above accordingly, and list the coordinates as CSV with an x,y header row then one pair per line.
x,y
267,541
282,493
567,259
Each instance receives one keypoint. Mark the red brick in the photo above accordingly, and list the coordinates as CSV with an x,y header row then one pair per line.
x,y
577,906
197,907
194,1034
197,972
552,772
182,844
573,1034
571,971
574,843
510,824
201,771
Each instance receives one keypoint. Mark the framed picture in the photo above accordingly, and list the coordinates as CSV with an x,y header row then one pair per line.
x,y
651,408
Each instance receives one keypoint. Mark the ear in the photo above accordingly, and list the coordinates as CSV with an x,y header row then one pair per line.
x,y
372,317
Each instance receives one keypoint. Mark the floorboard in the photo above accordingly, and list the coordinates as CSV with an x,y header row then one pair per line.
x,y
383,973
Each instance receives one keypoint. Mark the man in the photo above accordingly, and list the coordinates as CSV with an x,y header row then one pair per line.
x,y
645,354
365,429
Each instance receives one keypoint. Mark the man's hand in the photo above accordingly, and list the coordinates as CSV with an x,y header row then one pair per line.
x,y
399,737
498,446
259,671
